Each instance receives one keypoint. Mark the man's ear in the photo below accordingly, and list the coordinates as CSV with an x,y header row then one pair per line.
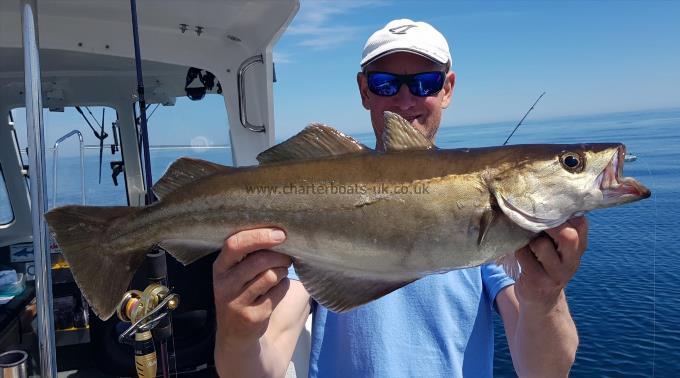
x,y
449,83
363,89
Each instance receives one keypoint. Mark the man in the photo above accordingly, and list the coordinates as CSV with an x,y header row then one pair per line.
x,y
440,325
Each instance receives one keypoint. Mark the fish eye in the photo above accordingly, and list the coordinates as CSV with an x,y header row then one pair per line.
x,y
572,162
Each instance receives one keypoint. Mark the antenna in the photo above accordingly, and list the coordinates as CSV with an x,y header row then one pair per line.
x,y
99,135
101,144
522,120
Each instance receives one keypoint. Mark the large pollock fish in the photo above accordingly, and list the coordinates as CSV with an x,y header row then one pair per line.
x,y
359,223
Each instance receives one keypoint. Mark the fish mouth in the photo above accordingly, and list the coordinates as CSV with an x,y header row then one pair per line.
x,y
616,188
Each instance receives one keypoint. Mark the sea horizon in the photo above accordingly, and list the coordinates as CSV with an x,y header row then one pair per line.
x,y
624,298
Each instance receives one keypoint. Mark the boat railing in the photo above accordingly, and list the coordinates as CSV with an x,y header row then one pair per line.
x,y
172,147
190,147
83,147
55,158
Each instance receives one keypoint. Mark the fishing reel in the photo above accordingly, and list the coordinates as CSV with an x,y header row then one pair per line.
x,y
145,310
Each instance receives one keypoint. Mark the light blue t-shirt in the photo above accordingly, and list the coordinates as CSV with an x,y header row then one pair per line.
x,y
438,326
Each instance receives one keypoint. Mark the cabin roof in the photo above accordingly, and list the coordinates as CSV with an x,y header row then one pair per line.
x,y
87,45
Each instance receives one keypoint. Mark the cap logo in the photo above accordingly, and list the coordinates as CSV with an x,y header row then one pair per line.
x,y
402,29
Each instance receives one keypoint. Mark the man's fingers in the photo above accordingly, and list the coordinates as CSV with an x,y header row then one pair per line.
x,y
551,260
571,239
269,300
570,236
255,314
527,260
256,263
263,283
579,223
581,226
238,245
545,252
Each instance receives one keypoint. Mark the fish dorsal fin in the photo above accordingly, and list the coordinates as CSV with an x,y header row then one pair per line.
x,y
315,141
185,170
342,290
399,135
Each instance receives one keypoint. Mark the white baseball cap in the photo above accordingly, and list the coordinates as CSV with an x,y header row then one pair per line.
x,y
407,36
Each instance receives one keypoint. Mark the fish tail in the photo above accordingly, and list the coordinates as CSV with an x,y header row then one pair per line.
x,y
102,273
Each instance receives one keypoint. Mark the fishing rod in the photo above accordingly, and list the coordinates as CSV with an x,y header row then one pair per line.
x,y
522,120
145,354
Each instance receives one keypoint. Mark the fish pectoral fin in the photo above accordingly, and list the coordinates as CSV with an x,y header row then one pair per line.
x,y
341,290
187,251
400,135
510,265
485,223
315,141
184,171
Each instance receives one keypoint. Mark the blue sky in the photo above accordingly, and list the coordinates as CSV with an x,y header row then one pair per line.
x,y
590,57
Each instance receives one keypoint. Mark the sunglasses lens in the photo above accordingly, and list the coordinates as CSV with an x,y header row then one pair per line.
x,y
426,83
383,84
422,84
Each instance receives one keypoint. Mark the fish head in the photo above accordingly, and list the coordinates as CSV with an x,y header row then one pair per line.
x,y
542,186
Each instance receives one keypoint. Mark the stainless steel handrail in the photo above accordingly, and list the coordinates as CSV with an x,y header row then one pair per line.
x,y
172,147
38,189
55,155
243,115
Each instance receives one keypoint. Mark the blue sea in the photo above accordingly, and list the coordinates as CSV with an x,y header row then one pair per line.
x,y
625,298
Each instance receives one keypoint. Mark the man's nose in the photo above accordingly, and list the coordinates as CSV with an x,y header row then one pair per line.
x,y
404,99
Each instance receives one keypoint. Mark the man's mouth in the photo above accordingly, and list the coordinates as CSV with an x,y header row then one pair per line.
x,y
410,117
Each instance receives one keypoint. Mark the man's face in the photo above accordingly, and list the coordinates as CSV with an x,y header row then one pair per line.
x,y
424,113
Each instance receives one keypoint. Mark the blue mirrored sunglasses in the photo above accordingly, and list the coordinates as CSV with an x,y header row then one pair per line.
x,y
421,84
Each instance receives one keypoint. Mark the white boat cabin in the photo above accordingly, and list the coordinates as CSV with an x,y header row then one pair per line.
x,y
86,59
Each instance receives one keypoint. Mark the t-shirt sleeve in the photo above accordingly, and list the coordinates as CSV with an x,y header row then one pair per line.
x,y
292,274
494,279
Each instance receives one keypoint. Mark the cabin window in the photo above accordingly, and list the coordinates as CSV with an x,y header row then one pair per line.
x,y
98,191
58,123
196,129
6,214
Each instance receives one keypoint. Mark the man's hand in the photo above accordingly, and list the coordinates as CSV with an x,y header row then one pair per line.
x,y
249,281
541,333
549,262
259,311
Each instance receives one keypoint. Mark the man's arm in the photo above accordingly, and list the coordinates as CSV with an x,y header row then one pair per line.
x,y
260,313
541,333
